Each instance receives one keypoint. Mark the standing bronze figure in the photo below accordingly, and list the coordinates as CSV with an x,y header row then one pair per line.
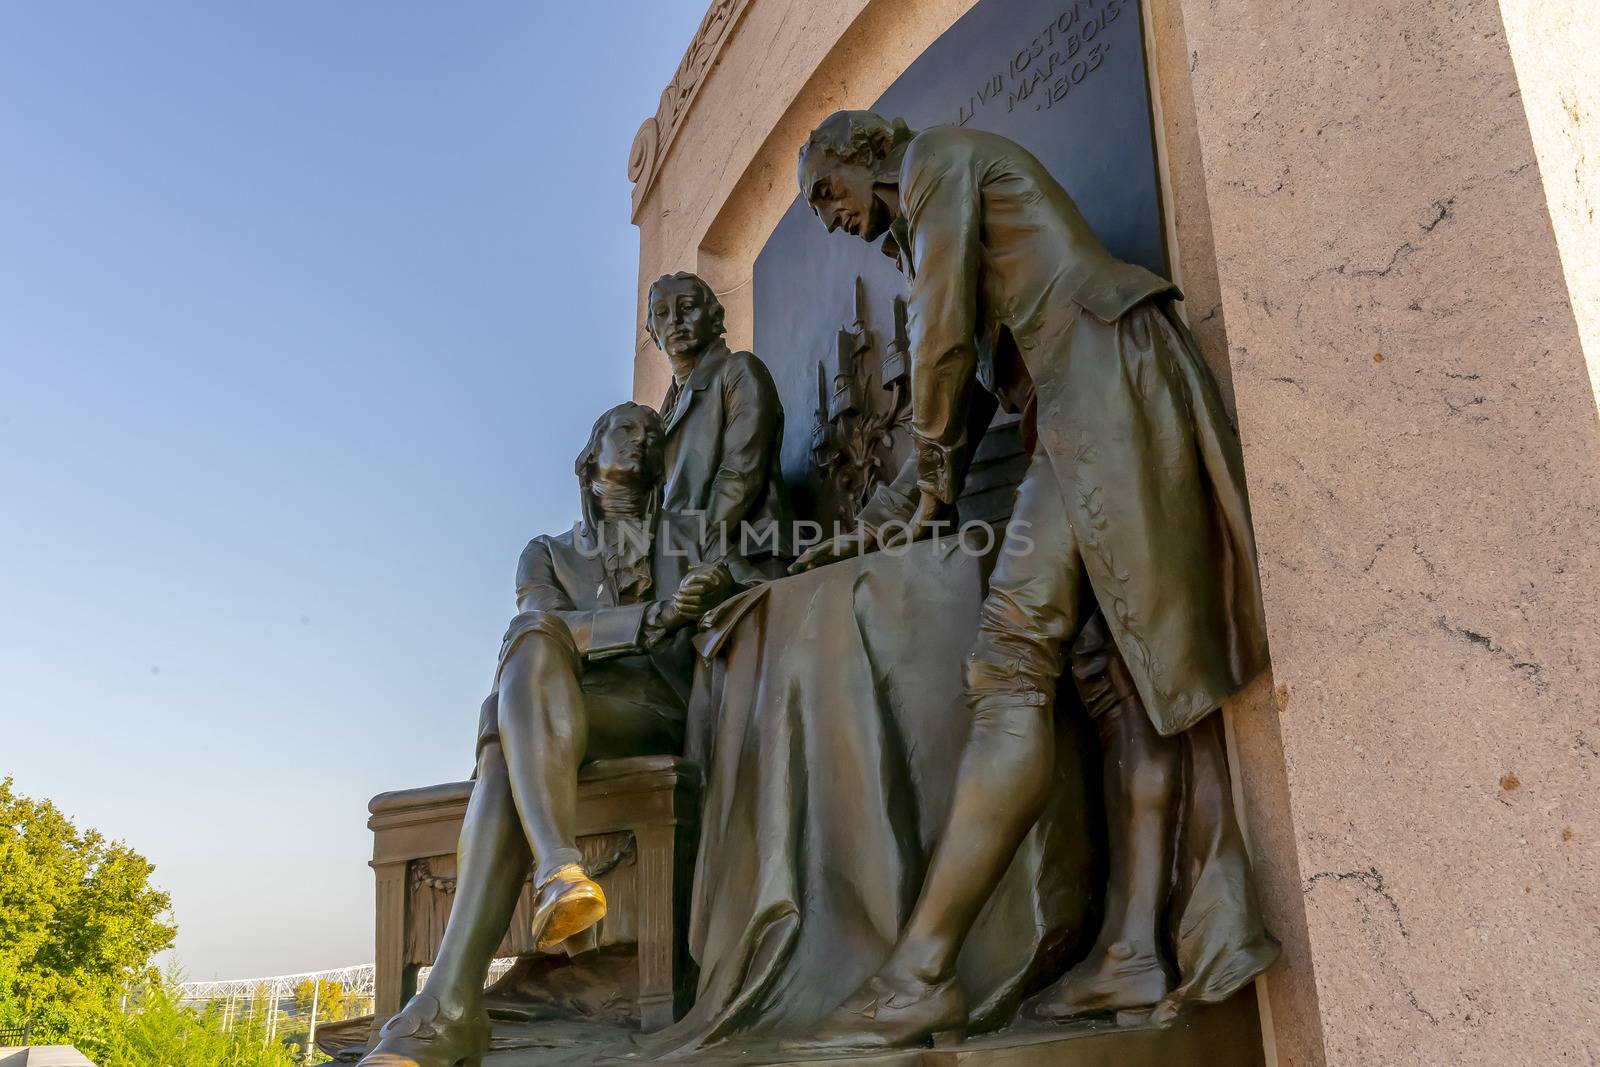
x,y
597,664
1129,559
723,424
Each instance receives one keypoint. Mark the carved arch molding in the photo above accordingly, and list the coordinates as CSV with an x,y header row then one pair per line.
x,y
655,134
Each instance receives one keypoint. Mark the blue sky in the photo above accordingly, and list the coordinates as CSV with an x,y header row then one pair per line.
x,y
305,309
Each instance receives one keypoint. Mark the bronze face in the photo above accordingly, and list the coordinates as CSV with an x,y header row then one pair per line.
x,y
681,319
629,450
842,195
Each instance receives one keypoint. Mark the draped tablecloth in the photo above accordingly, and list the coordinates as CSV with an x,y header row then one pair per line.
x,y
829,718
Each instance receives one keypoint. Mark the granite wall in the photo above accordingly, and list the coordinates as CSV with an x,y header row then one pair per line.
x,y
1421,443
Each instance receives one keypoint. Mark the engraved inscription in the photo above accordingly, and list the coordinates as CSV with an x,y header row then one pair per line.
x,y
1057,59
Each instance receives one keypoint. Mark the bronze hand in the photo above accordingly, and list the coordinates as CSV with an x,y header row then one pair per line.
x,y
835,549
702,589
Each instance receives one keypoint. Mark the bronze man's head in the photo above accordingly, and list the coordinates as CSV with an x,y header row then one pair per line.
x,y
682,314
624,448
841,163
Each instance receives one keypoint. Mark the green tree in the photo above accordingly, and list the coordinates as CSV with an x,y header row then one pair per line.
x,y
159,1030
79,922
333,1001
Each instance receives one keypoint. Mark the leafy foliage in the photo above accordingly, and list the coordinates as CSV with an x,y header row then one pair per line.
x,y
160,1031
79,920
333,1001
79,925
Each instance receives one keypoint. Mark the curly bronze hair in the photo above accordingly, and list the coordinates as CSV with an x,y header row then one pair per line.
x,y
860,138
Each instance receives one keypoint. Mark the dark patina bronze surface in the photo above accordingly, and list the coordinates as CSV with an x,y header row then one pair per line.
x,y
1129,557
723,424
595,665
985,790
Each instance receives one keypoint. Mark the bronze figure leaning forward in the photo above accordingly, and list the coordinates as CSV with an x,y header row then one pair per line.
x,y
1129,559
597,664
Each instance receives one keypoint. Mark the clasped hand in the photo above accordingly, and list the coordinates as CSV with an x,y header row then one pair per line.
x,y
702,589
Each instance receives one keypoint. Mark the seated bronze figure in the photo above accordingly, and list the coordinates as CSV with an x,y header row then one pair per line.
x,y
597,664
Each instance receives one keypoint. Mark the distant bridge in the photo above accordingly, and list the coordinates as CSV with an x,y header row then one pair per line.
x,y
357,982
267,995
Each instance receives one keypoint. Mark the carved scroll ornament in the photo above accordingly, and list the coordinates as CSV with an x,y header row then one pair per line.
x,y
655,135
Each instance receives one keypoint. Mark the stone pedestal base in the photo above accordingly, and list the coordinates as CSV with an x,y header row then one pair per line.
x,y
1213,1035
1221,1035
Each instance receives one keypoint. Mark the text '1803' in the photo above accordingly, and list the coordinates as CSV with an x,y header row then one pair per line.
x,y
1055,61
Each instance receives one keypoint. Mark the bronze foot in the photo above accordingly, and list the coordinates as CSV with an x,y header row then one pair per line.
x,y
1221,978
568,903
422,1036
879,1015
1120,979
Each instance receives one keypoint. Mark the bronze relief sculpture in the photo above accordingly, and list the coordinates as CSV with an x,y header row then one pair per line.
x,y
853,433
1129,559
1127,568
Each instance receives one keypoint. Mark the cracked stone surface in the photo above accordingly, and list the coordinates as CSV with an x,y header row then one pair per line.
x,y
1423,453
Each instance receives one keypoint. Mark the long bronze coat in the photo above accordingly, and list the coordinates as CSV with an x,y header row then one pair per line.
x,y
565,575
1128,413
723,428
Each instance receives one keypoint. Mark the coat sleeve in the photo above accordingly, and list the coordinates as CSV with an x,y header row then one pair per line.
x,y
598,633
942,203
749,431
896,501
